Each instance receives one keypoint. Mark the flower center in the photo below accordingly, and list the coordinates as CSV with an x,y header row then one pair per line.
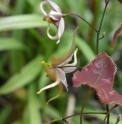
x,y
48,19
45,64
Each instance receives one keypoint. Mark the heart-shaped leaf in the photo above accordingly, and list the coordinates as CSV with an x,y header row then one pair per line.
x,y
99,75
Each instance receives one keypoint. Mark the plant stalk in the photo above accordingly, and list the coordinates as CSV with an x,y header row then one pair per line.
x,y
109,113
84,103
99,29
72,14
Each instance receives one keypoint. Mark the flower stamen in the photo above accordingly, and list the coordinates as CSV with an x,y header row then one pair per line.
x,y
45,64
48,19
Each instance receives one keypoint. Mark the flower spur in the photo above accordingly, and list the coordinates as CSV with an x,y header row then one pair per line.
x,y
59,66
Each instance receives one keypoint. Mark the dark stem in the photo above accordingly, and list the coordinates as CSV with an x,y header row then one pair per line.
x,y
98,32
84,114
108,113
82,19
108,118
64,118
65,121
84,103
97,46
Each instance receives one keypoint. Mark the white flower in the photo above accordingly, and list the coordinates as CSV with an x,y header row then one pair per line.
x,y
57,73
55,17
59,66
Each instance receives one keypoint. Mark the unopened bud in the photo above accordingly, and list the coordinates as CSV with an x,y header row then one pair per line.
x,y
118,118
103,35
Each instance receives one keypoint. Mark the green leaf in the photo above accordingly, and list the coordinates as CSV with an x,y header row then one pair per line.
x,y
26,75
4,114
53,112
10,44
86,50
21,22
33,107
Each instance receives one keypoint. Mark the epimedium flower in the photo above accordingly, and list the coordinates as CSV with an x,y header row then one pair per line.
x,y
55,17
57,69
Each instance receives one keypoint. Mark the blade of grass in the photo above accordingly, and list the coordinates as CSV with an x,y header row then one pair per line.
x,y
10,44
33,108
17,57
4,114
21,22
26,75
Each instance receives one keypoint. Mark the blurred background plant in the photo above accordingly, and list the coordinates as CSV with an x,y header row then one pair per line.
x,y
24,43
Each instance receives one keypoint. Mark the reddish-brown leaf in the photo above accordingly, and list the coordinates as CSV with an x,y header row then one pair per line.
x,y
99,75
120,1
117,32
100,70
108,95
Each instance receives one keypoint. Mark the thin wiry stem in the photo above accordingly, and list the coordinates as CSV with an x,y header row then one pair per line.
x,y
65,121
108,118
84,103
72,14
99,29
84,114
64,118
109,113
97,44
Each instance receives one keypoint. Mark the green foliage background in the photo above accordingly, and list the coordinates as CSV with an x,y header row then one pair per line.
x,y
24,43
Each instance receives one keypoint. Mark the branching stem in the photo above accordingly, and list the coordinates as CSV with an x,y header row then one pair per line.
x,y
108,114
99,29
64,118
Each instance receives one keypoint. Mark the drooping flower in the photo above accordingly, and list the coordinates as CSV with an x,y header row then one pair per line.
x,y
55,17
59,66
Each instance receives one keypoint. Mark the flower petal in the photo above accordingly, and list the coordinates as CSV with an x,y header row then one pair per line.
x,y
59,94
41,7
61,28
69,59
75,60
65,62
55,61
54,6
68,69
59,33
55,15
48,34
62,77
51,85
